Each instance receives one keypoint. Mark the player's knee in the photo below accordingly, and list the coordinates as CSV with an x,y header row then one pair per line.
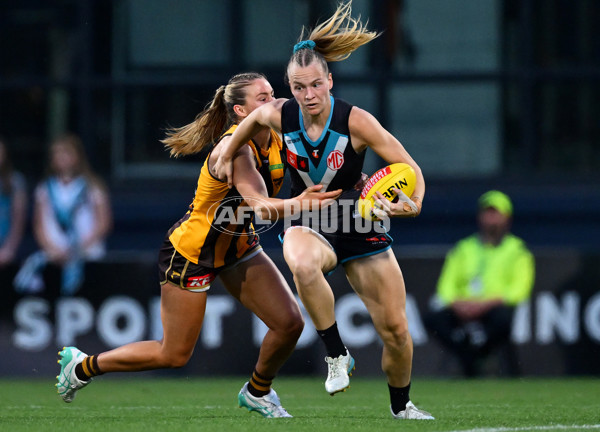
x,y
176,360
292,325
288,324
396,334
305,271
295,326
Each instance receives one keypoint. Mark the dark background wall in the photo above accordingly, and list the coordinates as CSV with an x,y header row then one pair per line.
x,y
556,333
490,94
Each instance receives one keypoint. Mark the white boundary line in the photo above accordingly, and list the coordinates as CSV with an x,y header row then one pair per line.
x,y
532,428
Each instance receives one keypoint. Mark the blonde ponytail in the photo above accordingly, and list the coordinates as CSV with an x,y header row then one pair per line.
x,y
216,118
332,40
205,129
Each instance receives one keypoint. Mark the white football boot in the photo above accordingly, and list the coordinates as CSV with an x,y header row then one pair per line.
x,y
339,371
68,383
268,406
412,413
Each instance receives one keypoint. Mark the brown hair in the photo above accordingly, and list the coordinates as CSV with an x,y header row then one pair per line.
x,y
332,40
216,117
82,168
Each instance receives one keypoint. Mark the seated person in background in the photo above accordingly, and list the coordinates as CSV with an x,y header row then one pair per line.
x,y
13,207
71,218
484,277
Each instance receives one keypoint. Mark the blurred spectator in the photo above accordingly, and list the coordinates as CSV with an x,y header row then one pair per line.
x,y
71,218
485,276
13,207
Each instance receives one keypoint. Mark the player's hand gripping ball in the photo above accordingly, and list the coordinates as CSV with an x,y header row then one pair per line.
x,y
395,176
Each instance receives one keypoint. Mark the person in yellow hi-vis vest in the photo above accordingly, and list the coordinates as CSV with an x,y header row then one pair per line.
x,y
484,277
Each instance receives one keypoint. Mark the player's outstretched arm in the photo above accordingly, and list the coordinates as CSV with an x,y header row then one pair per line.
x,y
266,116
251,186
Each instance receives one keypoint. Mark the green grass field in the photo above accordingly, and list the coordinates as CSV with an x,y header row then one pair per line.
x,y
210,404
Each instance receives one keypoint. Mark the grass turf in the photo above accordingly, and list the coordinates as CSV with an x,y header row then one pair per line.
x,y
129,403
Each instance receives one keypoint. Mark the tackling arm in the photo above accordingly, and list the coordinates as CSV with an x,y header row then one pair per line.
x,y
251,186
266,116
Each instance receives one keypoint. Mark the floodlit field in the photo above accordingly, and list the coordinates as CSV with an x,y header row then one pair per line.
x,y
130,403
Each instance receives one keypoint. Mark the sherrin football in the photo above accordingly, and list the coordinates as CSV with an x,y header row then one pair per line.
x,y
399,176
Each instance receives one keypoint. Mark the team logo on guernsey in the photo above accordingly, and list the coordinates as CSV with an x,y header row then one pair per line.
x,y
335,160
296,161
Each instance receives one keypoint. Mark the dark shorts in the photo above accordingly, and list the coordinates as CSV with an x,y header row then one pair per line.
x,y
351,237
178,270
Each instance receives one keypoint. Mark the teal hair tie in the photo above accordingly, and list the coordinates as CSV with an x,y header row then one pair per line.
x,y
305,44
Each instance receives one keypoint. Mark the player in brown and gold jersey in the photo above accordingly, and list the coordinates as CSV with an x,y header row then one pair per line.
x,y
216,238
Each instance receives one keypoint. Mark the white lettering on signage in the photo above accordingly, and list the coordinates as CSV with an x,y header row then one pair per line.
x,y
217,308
591,317
156,330
125,311
34,330
307,338
415,324
354,334
521,326
74,317
121,319
557,317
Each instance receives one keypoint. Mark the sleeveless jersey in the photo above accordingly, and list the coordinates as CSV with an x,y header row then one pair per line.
x,y
330,160
217,229
17,185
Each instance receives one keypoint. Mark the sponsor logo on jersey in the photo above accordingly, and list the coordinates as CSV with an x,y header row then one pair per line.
x,y
199,281
335,160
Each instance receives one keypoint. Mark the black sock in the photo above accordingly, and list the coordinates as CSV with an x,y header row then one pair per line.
x,y
399,397
332,340
259,385
88,368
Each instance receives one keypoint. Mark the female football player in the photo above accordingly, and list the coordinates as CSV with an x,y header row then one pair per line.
x,y
325,141
203,245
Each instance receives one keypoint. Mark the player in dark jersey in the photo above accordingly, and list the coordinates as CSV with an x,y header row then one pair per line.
x,y
325,141
204,244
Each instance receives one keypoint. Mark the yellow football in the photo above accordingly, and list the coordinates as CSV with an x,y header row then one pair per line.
x,y
395,176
